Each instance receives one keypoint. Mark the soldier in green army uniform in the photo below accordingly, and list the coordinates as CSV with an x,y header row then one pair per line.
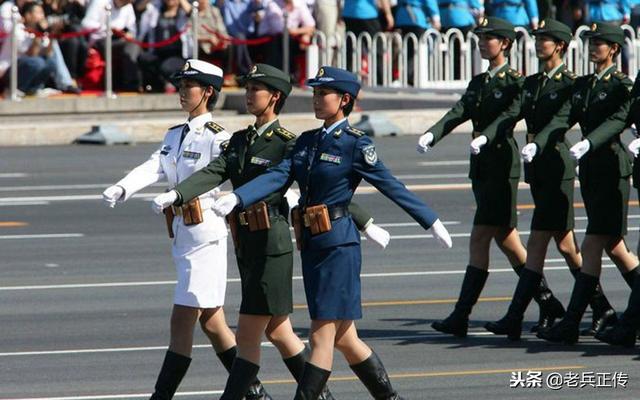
x,y
494,173
599,103
550,171
264,256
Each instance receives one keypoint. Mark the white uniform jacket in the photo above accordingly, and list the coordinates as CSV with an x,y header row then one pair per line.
x,y
175,163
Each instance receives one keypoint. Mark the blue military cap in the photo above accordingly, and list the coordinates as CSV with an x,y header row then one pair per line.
x,y
336,78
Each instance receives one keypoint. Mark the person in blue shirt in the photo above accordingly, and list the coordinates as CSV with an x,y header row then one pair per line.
x,y
519,12
614,12
461,15
328,164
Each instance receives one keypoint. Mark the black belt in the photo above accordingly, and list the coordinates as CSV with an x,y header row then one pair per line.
x,y
336,212
272,210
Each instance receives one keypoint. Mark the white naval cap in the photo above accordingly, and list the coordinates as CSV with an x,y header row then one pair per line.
x,y
202,72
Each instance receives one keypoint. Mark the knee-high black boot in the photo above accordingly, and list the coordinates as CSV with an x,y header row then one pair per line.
x,y
256,390
372,374
603,314
567,330
511,323
625,331
313,380
173,369
457,322
550,307
296,365
242,374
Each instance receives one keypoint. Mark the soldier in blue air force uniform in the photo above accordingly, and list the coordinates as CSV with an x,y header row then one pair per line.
x,y
328,164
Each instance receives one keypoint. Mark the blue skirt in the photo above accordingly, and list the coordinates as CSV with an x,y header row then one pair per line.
x,y
332,282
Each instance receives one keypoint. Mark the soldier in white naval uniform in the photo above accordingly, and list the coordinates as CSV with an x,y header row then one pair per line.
x,y
199,250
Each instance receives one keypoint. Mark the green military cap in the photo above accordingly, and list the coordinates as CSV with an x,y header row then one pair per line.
x,y
607,32
496,26
555,29
270,76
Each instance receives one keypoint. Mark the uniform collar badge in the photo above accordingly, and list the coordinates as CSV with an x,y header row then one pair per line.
x,y
497,94
501,75
337,133
268,135
370,155
602,95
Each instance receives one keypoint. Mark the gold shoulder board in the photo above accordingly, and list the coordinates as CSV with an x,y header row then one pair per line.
x,y
285,134
214,127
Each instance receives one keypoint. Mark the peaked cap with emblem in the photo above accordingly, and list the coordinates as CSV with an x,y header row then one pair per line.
x,y
201,71
608,33
496,26
270,76
336,78
555,29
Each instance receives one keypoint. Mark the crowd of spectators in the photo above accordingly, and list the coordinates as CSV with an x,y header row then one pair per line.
x,y
61,43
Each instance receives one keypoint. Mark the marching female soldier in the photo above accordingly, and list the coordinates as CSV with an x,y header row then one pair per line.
x,y
495,169
328,164
200,243
549,169
265,256
600,103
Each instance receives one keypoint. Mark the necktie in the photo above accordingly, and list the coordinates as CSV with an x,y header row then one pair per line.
x,y
185,130
252,134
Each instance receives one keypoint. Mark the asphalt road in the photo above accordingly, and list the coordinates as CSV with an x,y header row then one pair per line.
x,y
85,291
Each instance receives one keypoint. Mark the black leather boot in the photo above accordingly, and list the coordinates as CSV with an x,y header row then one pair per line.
x,y
603,313
173,369
241,376
296,365
313,380
567,330
550,307
256,390
511,323
625,331
457,323
372,374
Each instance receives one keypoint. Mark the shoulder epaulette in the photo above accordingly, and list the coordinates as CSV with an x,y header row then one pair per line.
x,y
213,127
620,75
354,131
284,134
177,126
569,74
514,73
224,145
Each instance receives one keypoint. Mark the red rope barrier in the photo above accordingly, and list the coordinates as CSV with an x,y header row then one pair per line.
x,y
232,40
147,45
62,36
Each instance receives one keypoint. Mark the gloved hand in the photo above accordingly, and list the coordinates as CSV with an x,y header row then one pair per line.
x,y
377,235
441,234
580,149
424,143
477,143
225,204
292,198
112,194
216,192
529,151
634,147
164,200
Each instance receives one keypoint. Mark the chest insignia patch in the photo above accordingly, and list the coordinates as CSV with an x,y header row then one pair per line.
x,y
528,93
553,96
165,149
602,95
330,158
191,154
497,94
260,161
370,155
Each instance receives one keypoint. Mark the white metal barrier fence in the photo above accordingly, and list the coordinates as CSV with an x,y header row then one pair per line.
x,y
442,60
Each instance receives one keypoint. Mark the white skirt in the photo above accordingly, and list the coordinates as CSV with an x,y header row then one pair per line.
x,y
202,275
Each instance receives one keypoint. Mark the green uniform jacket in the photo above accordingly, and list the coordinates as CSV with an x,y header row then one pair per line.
x,y
484,100
634,118
241,163
601,108
537,104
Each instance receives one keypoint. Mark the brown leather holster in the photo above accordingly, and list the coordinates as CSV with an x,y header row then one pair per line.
x,y
168,217
256,217
232,220
191,212
298,225
317,219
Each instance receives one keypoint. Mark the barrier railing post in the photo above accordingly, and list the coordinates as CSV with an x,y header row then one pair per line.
x,y
285,43
194,27
108,74
13,77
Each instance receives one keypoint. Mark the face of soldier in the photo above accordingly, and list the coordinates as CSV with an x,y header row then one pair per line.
x,y
600,51
258,97
191,95
327,103
545,47
491,46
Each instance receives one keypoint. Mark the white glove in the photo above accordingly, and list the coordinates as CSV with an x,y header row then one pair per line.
x,y
634,147
580,149
377,235
112,194
529,151
225,204
164,200
292,198
216,192
424,143
477,143
441,234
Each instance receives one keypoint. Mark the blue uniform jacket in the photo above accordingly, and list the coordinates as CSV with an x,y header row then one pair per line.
x,y
608,10
518,12
458,13
416,13
330,175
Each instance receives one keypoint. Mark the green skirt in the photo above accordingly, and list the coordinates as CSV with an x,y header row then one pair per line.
x,y
553,205
606,202
496,201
